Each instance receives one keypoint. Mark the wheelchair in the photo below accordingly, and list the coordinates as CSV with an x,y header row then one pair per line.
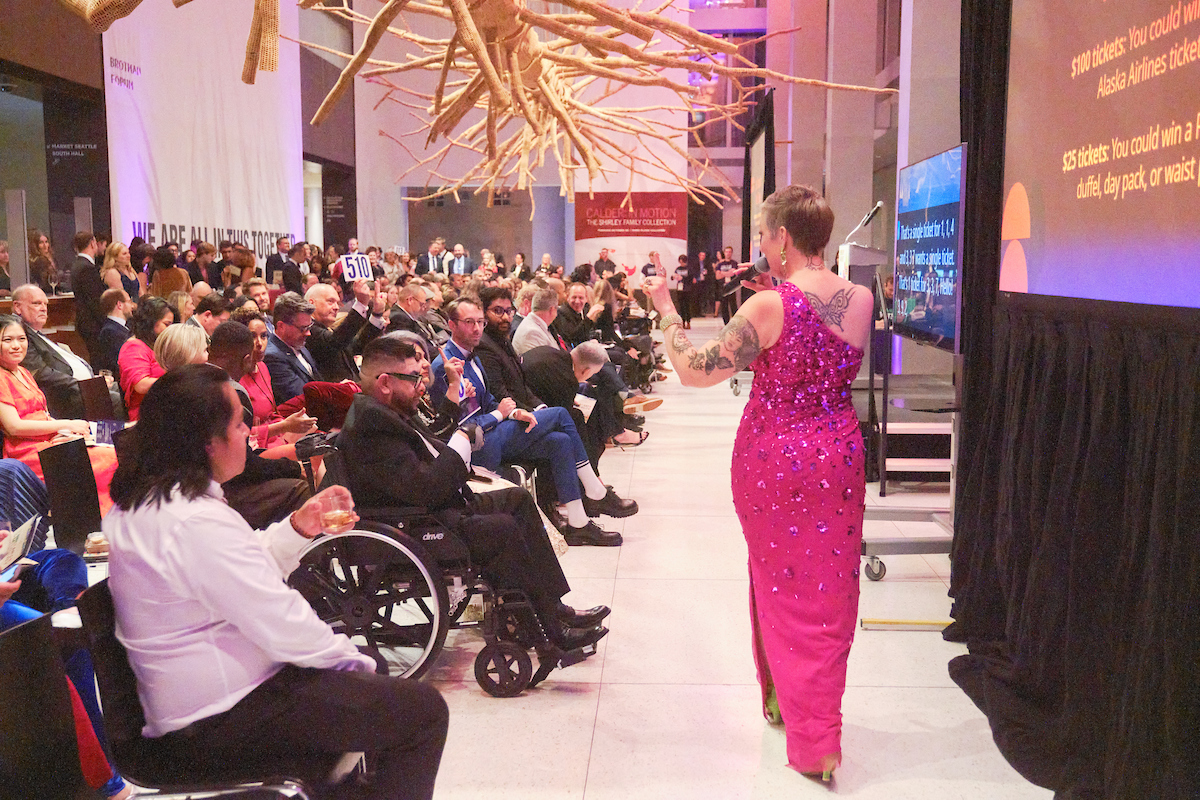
x,y
400,580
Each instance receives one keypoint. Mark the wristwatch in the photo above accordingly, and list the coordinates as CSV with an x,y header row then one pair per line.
x,y
669,320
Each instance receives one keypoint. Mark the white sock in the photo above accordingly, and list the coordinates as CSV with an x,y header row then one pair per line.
x,y
592,486
576,516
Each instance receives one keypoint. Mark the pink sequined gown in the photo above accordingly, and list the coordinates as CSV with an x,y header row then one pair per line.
x,y
798,488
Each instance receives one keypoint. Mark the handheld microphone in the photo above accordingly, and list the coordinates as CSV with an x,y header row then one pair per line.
x,y
865,220
734,283
761,266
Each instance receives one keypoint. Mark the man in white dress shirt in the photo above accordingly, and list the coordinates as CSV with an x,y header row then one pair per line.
x,y
233,665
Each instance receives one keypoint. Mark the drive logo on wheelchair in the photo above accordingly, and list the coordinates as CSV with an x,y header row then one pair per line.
x,y
432,537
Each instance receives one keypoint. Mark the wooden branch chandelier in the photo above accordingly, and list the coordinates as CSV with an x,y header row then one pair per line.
x,y
530,73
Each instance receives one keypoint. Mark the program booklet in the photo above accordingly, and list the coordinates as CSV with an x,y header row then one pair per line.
x,y
15,548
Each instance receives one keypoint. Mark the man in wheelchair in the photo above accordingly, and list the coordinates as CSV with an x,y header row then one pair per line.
x,y
391,459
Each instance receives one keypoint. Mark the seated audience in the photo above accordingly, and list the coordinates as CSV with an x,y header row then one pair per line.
x,y
272,484
210,312
412,301
256,288
241,267
28,426
117,307
391,459
333,341
199,269
229,659
547,435
269,427
139,369
535,327
167,277
556,375
56,369
181,344
501,364
289,360
200,291
183,304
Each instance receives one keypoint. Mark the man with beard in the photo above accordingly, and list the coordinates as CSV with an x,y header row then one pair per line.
x,y
391,459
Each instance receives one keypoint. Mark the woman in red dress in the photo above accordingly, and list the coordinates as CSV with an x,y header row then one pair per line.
x,y
28,427
271,429
136,362
797,470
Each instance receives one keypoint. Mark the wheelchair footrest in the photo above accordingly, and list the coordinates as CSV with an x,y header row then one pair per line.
x,y
578,654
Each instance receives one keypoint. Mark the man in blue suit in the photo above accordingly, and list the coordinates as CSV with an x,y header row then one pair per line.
x,y
459,263
513,434
290,363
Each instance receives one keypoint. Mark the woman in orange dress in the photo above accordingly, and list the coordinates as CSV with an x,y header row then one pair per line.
x,y
28,427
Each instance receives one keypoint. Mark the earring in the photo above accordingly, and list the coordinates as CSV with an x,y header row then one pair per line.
x,y
783,255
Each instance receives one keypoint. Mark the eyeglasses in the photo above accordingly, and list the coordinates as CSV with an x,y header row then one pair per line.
x,y
404,376
477,323
502,312
301,328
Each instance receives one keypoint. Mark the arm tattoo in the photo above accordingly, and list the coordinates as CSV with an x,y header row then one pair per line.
x,y
741,340
738,338
833,312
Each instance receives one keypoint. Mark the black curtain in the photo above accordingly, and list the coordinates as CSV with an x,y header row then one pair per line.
x,y
1076,560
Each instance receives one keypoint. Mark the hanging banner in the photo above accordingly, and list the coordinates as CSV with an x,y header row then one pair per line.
x,y
194,153
656,222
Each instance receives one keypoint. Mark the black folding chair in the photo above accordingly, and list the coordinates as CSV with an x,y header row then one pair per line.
x,y
97,402
39,754
74,498
141,759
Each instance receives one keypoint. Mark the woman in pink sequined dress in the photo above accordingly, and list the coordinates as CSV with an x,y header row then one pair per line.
x,y
798,483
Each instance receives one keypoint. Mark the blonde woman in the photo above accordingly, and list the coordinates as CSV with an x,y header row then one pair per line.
x,y
117,271
183,305
181,344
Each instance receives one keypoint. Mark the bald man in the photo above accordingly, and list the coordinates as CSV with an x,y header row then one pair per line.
x,y
334,340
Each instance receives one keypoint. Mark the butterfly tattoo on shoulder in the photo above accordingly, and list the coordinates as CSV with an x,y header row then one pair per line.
x,y
833,311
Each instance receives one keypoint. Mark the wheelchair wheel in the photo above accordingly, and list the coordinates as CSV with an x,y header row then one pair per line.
x,y
503,669
380,588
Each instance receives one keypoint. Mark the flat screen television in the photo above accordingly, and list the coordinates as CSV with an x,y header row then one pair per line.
x,y
928,257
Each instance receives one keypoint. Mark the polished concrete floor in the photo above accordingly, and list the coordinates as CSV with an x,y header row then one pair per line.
x,y
669,707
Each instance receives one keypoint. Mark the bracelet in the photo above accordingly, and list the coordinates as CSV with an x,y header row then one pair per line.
x,y
669,320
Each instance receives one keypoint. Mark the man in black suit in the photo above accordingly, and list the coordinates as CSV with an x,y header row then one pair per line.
x,y
56,369
555,375
276,260
86,283
458,262
293,272
290,363
117,308
501,364
392,459
333,343
431,261
409,315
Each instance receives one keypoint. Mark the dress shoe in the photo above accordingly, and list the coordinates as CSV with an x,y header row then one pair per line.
x,y
632,420
571,638
590,534
640,403
610,504
588,618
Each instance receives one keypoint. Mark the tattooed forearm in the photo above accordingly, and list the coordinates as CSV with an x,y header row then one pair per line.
x,y
833,311
740,340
